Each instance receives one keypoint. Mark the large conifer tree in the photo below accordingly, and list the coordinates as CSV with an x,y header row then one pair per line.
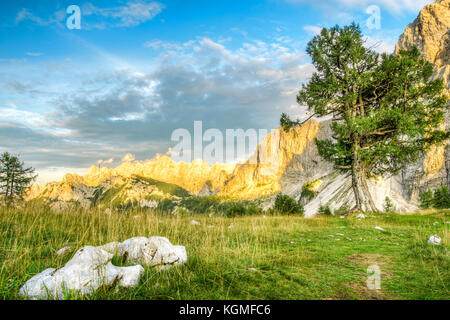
x,y
386,109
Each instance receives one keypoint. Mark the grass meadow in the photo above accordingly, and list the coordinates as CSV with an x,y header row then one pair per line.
x,y
251,257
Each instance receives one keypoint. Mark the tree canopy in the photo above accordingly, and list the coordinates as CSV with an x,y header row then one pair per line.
x,y
14,178
386,109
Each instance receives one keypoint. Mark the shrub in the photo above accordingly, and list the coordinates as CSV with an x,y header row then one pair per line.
x,y
235,210
325,210
426,199
344,209
388,205
309,190
286,205
441,199
166,205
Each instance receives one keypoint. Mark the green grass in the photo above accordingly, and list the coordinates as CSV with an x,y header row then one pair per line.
x,y
294,258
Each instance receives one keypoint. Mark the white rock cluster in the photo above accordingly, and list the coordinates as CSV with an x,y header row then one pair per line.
x,y
91,267
436,240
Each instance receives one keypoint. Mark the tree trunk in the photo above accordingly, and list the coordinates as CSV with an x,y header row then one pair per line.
x,y
363,198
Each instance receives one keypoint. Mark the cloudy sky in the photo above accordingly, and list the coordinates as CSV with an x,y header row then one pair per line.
x,y
139,69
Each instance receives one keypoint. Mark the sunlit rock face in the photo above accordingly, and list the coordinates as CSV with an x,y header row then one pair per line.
x,y
190,176
430,33
278,154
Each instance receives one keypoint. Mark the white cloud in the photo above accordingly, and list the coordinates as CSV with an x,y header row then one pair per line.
x,y
57,173
315,30
109,161
132,14
34,54
393,6
26,14
380,44
115,111
128,158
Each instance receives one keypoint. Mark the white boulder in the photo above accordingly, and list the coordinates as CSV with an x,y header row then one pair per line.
x,y
154,251
436,240
360,216
63,251
89,269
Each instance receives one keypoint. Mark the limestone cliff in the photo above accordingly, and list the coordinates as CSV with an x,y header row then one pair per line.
x,y
261,174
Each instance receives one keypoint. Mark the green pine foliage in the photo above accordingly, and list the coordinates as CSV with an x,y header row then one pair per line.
x,y
441,199
388,205
325,209
426,199
14,178
284,204
386,109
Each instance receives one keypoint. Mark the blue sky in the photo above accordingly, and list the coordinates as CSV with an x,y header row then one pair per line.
x,y
138,69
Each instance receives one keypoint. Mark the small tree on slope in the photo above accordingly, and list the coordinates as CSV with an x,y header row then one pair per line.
x,y
385,109
14,178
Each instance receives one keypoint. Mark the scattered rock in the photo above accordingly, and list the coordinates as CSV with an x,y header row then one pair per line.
x,y
231,226
379,228
195,223
360,216
341,217
89,269
339,234
63,251
436,240
152,204
252,269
